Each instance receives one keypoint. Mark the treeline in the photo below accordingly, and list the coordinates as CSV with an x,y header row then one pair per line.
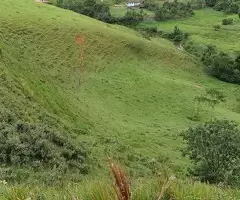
x,y
88,7
230,6
169,10
173,10
101,11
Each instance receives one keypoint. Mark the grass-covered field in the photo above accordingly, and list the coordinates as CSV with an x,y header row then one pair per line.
x,y
135,95
121,11
201,29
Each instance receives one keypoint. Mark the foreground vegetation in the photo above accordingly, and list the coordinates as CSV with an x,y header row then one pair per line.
x,y
165,186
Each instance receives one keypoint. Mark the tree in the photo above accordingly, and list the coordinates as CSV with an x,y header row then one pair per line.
x,y
214,151
173,10
131,18
90,8
209,54
212,97
211,3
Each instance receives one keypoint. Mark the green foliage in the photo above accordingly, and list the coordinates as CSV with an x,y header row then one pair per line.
x,y
237,106
150,5
131,84
228,21
214,97
211,3
217,27
211,98
221,65
36,147
131,18
230,6
214,150
177,35
198,4
173,10
88,7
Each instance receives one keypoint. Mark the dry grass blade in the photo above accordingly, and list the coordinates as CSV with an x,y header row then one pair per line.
x,y
165,186
122,185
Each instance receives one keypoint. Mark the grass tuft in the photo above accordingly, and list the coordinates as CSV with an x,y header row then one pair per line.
x,y
122,183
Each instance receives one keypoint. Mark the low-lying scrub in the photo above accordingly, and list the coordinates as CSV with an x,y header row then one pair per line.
x,y
27,147
163,187
221,65
228,21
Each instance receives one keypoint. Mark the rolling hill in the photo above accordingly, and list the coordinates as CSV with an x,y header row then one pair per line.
x,y
129,85
122,95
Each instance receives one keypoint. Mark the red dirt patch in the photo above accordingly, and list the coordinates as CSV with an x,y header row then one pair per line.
x,y
80,40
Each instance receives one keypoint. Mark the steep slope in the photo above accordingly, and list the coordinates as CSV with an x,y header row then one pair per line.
x,y
123,95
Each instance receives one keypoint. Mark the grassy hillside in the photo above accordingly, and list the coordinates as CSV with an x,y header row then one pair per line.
x,y
135,95
122,95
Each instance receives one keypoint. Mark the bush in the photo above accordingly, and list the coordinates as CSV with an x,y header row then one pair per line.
x,y
214,151
211,3
150,6
221,65
232,6
217,27
37,147
177,35
173,10
198,4
148,32
131,18
228,21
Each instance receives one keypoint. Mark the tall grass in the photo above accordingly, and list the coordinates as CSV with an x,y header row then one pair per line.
x,y
163,187
122,184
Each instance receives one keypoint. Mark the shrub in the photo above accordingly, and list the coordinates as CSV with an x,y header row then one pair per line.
x,y
177,35
221,65
36,147
227,21
198,4
214,151
211,3
148,32
212,97
150,6
131,18
173,10
232,6
217,27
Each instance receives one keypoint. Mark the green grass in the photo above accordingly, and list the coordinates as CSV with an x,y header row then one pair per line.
x,y
201,30
131,85
135,97
121,11
100,190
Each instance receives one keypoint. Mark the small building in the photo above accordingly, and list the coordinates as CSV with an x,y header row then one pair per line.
x,y
42,1
134,3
